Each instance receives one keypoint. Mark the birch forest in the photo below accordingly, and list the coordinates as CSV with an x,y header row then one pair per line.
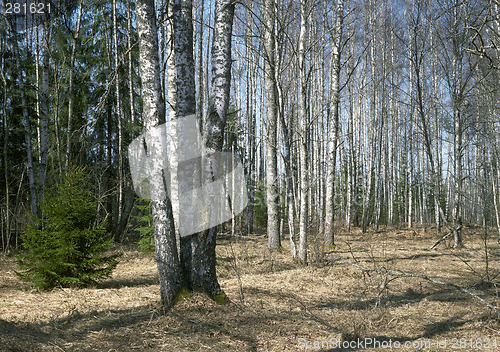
x,y
350,119
345,113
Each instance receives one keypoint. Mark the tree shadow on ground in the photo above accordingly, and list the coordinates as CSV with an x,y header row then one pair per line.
x,y
118,329
426,340
132,282
393,300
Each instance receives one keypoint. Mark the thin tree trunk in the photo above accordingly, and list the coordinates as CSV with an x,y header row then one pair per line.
x,y
495,184
435,166
44,114
287,131
130,67
71,97
335,102
304,136
27,125
5,128
371,131
119,118
200,93
457,100
273,218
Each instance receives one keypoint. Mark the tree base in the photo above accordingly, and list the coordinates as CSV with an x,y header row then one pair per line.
x,y
182,294
221,298
280,249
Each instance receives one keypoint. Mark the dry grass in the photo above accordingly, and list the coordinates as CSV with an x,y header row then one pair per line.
x,y
283,304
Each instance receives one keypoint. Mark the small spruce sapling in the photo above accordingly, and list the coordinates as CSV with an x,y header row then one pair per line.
x,y
67,246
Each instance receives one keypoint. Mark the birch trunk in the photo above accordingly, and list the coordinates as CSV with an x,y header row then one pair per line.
x,y
182,104
371,131
335,101
200,92
169,270
392,137
119,118
204,271
304,136
130,66
272,195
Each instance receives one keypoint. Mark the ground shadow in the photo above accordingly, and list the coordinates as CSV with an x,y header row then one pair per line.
x,y
132,282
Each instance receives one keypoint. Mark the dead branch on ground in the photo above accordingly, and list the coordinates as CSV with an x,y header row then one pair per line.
x,y
401,274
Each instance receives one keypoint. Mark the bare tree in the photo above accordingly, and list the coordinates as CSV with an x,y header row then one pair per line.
x,y
304,134
204,276
169,270
273,218
335,102
71,98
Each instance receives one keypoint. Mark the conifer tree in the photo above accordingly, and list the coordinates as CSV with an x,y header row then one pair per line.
x,y
67,245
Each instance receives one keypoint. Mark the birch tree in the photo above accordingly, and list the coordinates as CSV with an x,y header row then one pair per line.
x,y
169,270
204,276
273,219
304,134
335,102
458,76
119,118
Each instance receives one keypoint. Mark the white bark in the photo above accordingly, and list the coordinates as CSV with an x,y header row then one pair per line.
x,y
273,219
304,136
169,271
119,117
334,123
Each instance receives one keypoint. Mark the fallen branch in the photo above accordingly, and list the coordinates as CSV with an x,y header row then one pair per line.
x,y
399,273
441,240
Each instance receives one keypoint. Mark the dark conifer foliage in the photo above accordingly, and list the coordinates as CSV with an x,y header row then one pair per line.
x,y
67,246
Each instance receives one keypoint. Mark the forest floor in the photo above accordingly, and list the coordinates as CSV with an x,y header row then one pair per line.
x,y
277,305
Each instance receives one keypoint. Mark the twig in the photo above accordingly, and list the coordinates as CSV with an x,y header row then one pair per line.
x,y
314,316
441,240
235,266
399,273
